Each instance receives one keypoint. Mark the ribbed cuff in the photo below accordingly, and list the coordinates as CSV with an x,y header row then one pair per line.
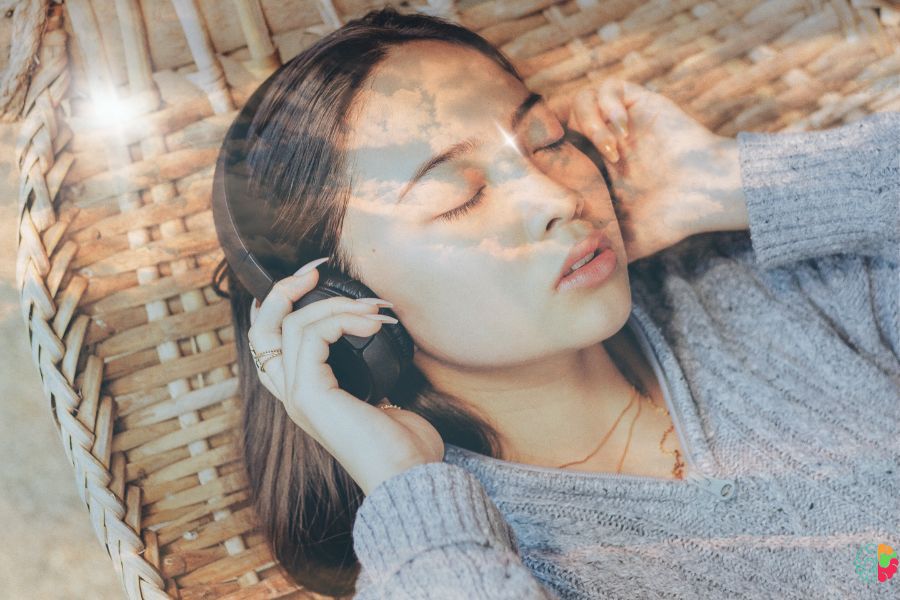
x,y
425,507
813,193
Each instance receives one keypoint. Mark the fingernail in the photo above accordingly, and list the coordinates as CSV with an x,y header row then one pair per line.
x,y
611,152
384,318
619,129
310,266
376,301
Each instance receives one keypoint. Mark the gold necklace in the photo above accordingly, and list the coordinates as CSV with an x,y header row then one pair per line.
x,y
677,470
605,437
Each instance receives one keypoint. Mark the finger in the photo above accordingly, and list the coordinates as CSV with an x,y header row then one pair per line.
x,y
631,92
265,331
609,97
297,320
266,336
332,306
265,377
587,113
308,361
279,302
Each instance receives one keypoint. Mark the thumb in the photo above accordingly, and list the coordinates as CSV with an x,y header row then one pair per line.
x,y
629,92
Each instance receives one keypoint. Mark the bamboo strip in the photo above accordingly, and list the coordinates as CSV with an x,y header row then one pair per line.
x,y
494,12
168,489
181,205
169,328
202,493
171,516
164,287
753,77
139,175
175,369
181,436
274,586
137,49
179,563
209,76
554,34
137,470
74,335
239,522
226,568
128,403
192,465
505,31
69,299
264,56
117,258
696,65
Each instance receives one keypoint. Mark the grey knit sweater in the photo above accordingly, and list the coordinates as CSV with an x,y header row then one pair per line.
x,y
779,353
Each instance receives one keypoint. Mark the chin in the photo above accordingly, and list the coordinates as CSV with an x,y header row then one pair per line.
x,y
599,315
616,299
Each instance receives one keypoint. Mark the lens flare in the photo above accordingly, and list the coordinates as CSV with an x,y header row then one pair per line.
x,y
109,110
509,138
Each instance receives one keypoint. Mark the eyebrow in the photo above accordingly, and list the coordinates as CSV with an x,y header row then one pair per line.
x,y
460,148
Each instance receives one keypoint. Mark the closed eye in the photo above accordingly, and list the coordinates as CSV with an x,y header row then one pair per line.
x,y
479,195
555,145
461,210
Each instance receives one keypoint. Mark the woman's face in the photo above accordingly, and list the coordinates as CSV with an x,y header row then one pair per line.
x,y
475,287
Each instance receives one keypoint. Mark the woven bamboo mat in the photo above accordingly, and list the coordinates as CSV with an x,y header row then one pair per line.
x,y
121,106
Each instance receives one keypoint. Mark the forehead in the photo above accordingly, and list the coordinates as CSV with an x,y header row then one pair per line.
x,y
431,94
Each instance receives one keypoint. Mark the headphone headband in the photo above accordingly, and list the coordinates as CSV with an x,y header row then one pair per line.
x,y
242,221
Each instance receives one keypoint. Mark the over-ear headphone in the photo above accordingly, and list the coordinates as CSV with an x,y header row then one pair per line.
x,y
366,367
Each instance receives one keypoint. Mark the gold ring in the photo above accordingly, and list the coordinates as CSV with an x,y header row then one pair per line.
x,y
265,356
262,367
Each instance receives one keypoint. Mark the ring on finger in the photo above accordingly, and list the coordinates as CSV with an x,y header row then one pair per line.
x,y
262,365
261,358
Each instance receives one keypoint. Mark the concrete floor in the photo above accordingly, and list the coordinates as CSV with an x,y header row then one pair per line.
x,y
49,549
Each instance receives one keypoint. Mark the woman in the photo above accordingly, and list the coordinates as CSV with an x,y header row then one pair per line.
x,y
718,418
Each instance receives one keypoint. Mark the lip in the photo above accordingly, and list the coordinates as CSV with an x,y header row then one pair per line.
x,y
594,241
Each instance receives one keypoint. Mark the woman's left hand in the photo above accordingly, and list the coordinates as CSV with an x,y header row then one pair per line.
x,y
673,176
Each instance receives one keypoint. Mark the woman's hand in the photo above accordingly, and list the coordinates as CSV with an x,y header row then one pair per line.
x,y
673,177
370,443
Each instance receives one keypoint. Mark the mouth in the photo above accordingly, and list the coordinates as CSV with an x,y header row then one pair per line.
x,y
583,252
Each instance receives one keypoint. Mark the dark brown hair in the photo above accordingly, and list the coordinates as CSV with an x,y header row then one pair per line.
x,y
305,501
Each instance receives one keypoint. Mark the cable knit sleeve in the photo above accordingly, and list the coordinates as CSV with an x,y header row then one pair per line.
x,y
433,532
833,196
816,193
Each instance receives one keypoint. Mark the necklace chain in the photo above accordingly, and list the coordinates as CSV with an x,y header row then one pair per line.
x,y
677,470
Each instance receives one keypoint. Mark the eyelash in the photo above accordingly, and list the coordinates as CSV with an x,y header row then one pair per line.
x,y
555,146
479,195
461,210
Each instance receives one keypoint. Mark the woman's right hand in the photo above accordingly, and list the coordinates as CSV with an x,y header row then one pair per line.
x,y
370,443
673,176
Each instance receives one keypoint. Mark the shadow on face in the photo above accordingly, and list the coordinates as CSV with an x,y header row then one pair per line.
x,y
466,201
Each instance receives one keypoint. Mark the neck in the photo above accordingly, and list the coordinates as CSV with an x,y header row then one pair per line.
x,y
555,411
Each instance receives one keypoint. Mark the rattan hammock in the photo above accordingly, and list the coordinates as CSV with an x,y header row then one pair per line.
x,y
116,243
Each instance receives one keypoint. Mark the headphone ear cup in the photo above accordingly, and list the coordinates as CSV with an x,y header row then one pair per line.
x,y
386,357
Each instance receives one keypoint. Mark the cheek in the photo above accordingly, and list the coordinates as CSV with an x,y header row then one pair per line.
x,y
481,313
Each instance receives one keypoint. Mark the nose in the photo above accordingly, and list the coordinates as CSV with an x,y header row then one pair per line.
x,y
567,209
543,197
552,205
